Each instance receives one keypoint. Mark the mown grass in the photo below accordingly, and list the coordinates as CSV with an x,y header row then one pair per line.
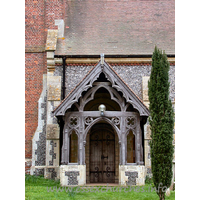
x,y
38,188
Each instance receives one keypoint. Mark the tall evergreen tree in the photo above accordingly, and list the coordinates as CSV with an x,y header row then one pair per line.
x,y
161,122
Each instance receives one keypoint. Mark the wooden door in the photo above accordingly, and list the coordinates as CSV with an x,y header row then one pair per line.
x,y
102,154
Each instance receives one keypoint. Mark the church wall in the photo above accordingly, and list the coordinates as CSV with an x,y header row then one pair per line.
x,y
135,75
131,74
34,70
39,17
33,87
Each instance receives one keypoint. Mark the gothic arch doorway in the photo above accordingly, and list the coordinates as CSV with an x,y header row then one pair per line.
x,y
103,155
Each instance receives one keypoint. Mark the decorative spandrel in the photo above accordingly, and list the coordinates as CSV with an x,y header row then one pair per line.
x,y
130,122
116,121
88,120
73,122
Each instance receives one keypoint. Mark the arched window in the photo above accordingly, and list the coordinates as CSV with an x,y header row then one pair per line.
x,y
130,147
73,151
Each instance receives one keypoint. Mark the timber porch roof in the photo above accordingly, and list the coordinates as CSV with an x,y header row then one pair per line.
x,y
91,76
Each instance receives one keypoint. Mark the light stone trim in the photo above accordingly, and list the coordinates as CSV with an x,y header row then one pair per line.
x,y
145,95
147,133
47,174
52,148
61,27
53,132
113,60
123,179
51,39
76,168
41,120
54,88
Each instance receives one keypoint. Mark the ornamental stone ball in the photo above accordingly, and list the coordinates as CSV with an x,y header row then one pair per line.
x,y
102,108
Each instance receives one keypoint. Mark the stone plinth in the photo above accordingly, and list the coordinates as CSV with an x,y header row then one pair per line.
x,y
48,172
52,173
72,175
131,175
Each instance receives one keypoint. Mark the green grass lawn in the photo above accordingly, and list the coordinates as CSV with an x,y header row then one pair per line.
x,y
40,188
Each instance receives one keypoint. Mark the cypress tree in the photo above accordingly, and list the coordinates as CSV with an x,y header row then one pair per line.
x,y
161,122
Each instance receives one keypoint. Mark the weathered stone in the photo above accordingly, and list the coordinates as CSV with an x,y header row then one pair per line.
x,y
148,170
146,103
51,39
50,54
61,28
52,132
50,62
54,93
147,157
39,138
54,88
131,177
52,173
37,170
50,108
147,135
52,152
127,174
72,175
145,95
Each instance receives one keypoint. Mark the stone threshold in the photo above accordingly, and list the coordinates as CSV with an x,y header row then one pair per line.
x,y
101,184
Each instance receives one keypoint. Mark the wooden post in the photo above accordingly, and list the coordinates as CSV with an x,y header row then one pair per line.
x,y
138,142
65,147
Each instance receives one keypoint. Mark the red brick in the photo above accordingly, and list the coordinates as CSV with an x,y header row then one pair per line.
x,y
37,22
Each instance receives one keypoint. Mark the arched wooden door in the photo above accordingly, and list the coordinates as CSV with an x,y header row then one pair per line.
x,y
102,154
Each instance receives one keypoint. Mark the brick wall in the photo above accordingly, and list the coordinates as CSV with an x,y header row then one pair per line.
x,y
35,34
40,16
35,64
54,9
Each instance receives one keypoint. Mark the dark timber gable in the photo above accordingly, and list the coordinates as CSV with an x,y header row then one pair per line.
x,y
116,83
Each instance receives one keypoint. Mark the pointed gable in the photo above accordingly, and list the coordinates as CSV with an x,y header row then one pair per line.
x,y
87,83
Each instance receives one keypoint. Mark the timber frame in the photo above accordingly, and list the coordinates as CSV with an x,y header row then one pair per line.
x,y
81,120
